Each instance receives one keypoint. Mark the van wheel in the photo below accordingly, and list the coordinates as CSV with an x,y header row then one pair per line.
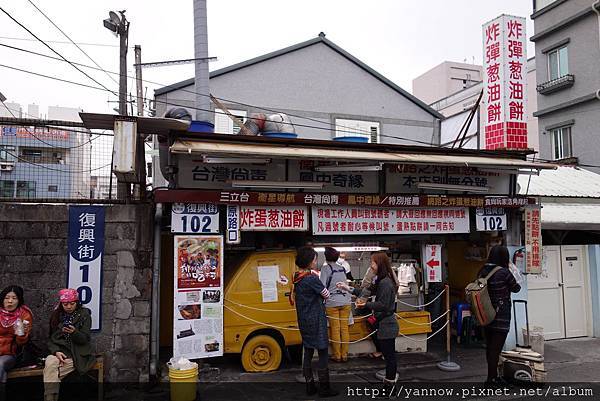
x,y
261,354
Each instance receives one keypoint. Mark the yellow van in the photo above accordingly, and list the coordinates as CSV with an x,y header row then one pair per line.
x,y
260,330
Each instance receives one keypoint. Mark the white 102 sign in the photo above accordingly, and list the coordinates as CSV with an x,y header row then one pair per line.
x,y
491,219
194,218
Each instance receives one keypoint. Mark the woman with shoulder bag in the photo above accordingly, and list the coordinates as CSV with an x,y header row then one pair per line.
x,y
500,286
385,289
15,326
69,344
309,295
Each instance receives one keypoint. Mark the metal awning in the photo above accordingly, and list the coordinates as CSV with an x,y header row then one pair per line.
x,y
570,216
145,125
332,154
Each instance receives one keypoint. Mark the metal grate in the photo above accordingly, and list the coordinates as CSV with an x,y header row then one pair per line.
x,y
55,164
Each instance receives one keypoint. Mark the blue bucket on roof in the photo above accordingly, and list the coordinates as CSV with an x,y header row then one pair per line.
x,y
202,126
286,135
355,139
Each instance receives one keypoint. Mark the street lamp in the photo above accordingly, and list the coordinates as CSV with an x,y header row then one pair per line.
x,y
119,26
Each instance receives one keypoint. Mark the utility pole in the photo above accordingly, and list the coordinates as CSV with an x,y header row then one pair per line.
x,y
119,25
138,80
123,33
140,189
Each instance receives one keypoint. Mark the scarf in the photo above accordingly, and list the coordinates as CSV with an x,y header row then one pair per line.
x,y
8,319
298,276
68,321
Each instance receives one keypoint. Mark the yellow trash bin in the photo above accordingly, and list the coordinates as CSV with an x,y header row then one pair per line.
x,y
183,384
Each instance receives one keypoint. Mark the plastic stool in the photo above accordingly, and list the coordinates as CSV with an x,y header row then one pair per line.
x,y
459,312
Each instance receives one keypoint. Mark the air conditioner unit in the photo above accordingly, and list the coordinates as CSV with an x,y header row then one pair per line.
x,y
7,166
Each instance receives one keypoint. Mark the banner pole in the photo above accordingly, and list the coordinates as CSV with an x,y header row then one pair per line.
x,y
448,365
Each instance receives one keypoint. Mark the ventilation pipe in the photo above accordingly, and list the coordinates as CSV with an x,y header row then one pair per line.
x,y
202,90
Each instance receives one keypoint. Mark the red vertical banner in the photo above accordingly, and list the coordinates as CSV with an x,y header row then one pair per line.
x,y
505,83
533,240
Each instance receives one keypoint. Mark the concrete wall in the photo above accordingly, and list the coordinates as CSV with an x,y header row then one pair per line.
x,y
319,83
583,52
445,79
34,255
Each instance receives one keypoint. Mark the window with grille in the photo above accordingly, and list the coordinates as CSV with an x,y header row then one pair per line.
x,y
42,155
225,125
7,153
7,189
368,129
25,189
558,63
561,143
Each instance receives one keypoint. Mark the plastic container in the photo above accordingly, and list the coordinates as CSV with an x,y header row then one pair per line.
x,y
183,384
201,126
356,139
287,135
535,340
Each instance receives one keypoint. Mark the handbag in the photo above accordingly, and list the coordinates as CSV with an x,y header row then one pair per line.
x,y
372,322
28,354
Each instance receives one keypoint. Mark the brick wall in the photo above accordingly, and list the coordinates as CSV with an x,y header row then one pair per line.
x,y
33,254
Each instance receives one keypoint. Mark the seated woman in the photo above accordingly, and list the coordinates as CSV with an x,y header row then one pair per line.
x,y
69,343
15,326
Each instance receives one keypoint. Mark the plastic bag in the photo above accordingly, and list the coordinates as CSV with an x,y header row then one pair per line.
x,y
516,273
181,364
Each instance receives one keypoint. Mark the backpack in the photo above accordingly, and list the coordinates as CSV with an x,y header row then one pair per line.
x,y
478,298
333,271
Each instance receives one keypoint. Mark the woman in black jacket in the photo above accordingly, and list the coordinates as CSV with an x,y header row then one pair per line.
x,y
384,308
500,286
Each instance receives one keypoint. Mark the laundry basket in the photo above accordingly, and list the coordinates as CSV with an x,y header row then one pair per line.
x,y
535,339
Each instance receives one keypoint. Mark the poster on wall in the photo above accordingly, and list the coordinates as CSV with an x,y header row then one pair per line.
x,y
198,296
432,259
86,249
365,221
533,240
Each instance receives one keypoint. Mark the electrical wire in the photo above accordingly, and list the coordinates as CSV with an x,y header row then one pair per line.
x,y
70,40
468,151
223,99
261,108
58,41
47,143
50,168
54,51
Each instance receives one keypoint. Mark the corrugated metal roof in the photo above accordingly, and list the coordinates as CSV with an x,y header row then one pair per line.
x,y
564,182
315,153
570,216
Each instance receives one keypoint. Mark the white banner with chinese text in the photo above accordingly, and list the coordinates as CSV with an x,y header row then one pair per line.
x,y
363,221
505,83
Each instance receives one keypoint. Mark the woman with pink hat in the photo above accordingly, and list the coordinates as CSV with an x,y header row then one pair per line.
x,y
69,343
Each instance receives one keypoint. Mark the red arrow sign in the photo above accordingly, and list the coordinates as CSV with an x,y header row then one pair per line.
x,y
433,263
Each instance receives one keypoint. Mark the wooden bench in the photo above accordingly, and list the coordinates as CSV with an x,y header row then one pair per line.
x,y
39,371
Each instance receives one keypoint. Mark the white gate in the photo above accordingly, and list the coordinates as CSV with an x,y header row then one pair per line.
x,y
558,295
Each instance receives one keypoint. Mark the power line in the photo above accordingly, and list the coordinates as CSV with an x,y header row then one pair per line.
x,y
475,151
58,41
47,143
50,168
235,102
70,40
54,51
